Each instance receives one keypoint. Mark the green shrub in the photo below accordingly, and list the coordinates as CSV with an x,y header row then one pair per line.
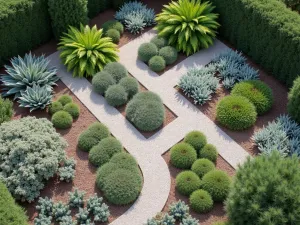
x,y
67,13
148,96
183,155
6,110
160,42
169,54
131,86
217,183
10,212
62,120
236,113
201,201
294,101
202,167
114,35
65,99
209,152
55,107
157,63
102,152
113,24
124,160
265,190
196,139
257,92
118,3
116,70
101,81
96,6
220,223
73,109
187,182
147,51
116,95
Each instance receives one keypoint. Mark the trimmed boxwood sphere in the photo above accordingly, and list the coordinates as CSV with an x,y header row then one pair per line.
x,y
209,152
55,107
62,120
259,93
201,201
116,95
183,155
217,183
65,99
160,42
130,85
114,35
196,139
157,63
113,24
236,113
147,51
202,167
169,54
116,70
102,173
101,81
73,109
187,182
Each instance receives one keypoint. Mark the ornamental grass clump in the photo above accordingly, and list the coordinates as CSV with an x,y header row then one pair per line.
x,y
6,110
196,139
62,120
209,152
187,182
116,70
183,155
146,51
169,54
201,201
294,101
157,63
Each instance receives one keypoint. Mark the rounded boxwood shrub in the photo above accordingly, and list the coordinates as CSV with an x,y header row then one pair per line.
x,y
236,113
217,183
187,182
55,107
160,42
101,81
209,152
6,110
294,101
147,51
201,201
116,95
116,70
259,93
169,54
65,99
202,167
114,35
196,139
130,85
124,160
72,109
183,155
157,63
113,24
62,120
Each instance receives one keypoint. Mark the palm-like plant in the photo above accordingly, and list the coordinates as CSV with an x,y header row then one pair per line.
x,y
86,51
188,25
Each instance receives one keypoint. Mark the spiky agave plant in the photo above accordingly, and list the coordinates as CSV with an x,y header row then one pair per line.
x,y
86,51
188,25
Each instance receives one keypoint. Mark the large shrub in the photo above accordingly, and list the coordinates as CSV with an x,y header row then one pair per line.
x,y
6,110
196,139
31,151
202,167
294,101
131,85
146,51
188,25
265,191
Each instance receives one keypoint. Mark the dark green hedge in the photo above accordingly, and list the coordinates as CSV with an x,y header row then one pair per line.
x,y
96,6
267,31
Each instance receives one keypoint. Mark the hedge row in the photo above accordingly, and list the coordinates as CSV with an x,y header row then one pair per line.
x,y
267,31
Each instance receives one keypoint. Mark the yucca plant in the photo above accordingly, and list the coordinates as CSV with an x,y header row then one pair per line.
x,y
86,51
188,25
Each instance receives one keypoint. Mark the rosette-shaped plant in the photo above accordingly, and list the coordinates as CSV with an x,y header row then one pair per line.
x,y
188,25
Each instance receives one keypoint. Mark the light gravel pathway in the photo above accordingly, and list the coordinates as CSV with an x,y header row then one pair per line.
x,y
148,152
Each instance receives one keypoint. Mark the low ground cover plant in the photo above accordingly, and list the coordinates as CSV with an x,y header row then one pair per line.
x,y
6,110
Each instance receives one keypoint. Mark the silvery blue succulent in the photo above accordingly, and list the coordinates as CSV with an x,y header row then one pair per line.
x,y
134,22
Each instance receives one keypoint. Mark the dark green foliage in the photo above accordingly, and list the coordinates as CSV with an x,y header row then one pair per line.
x,y
187,182
73,109
183,155
220,223
259,93
114,35
147,51
116,70
202,167
201,201
113,24
217,183
55,107
65,99
294,101
148,96
157,63
62,120
196,139
10,212
124,160
131,86
101,81
118,3
67,13
116,95
97,6
209,152
236,113
169,54
160,42
6,110
103,172
265,191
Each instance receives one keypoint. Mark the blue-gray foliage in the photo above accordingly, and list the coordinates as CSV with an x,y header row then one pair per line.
x,y
45,207
134,22
67,171
42,220
189,221
76,198
99,209
179,210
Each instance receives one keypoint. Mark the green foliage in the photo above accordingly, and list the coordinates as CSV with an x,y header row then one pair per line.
x,y
189,221
202,167
131,86
187,182
114,35
294,101
146,51
169,54
96,6
148,96
209,152
73,109
55,107
116,95
217,183
220,223
62,120
116,70
196,139
101,81
6,109
259,93
157,63
76,198
183,155
83,56
60,12
201,201
188,25
179,210
270,191
65,99
160,42
236,113
113,24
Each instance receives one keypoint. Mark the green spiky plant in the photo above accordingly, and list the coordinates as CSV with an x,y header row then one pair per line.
x,y
188,25
86,51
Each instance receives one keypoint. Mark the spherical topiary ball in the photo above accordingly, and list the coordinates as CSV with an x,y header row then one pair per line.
x,y
259,93
65,99
236,113
294,100
113,24
114,35
169,54
55,107
201,201
147,51
160,42
187,182
72,109
101,81
62,120
183,155
130,85
217,183
116,70
196,139
116,95
124,160
209,152
157,63
202,167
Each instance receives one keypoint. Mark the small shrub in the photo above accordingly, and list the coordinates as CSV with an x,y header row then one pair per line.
x,y
76,198
209,152
196,139
202,167
116,70
183,155
236,113
157,63
131,86
146,51
55,107
169,54
72,109
114,35
187,182
6,110
201,201
82,216
179,210
113,24
65,99
160,42
67,171
62,120
101,81
60,211
217,183
116,95
294,101
189,221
